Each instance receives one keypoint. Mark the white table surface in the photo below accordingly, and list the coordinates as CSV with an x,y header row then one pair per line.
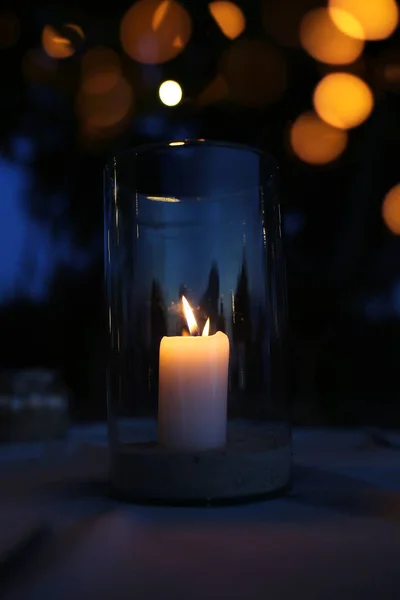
x,y
336,536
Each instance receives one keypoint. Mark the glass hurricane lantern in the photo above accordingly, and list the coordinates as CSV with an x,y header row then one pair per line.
x,y
196,297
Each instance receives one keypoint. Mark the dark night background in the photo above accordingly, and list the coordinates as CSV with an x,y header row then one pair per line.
x,y
342,259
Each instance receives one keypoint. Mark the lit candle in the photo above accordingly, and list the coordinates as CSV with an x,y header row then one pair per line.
x,y
193,385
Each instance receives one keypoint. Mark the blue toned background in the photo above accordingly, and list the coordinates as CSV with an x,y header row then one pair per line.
x,y
30,254
74,90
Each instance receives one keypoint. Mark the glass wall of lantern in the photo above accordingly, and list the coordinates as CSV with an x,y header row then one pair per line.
x,y
196,298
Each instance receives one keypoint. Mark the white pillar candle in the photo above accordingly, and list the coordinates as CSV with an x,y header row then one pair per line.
x,y
193,385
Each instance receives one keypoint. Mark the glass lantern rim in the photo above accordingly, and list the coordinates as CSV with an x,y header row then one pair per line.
x,y
143,149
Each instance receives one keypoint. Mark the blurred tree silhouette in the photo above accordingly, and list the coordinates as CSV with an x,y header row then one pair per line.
x,y
210,299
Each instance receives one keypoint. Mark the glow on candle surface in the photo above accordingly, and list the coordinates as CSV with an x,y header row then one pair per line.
x,y
193,386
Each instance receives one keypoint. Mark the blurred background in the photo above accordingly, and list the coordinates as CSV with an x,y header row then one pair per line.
x,y
315,83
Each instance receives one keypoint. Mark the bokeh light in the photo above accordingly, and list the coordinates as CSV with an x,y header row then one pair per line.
x,y
281,19
10,30
215,91
255,72
325,42
387,70
343,100
391,209
106,110
229,18
365,19
170,93
314,141
155,31
61,43
101,70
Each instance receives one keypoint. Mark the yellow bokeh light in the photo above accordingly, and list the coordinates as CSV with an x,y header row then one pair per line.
x,y
321,38
170,93
343,100
154,31
391,209
59,44
101,70
347,23
365,19
229,18
316,142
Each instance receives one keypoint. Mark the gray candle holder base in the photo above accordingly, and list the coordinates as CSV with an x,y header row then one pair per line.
x,y
256,461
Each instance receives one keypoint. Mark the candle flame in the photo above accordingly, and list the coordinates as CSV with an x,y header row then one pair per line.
x,y
206,329
191,321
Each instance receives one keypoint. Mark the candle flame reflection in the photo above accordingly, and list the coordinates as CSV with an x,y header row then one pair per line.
x,y
206,329
191,321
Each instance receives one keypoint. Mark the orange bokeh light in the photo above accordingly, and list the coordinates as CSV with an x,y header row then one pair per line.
x,y
102,111
155,31
101,70
229,18
343,100
56,46
321,38
59,44
391,209
365,19
214,92
316,142
255,72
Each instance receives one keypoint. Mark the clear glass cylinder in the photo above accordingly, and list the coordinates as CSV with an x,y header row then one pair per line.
x,y
196,297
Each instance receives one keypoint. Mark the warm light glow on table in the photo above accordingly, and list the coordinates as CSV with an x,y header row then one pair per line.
x,y
193,384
